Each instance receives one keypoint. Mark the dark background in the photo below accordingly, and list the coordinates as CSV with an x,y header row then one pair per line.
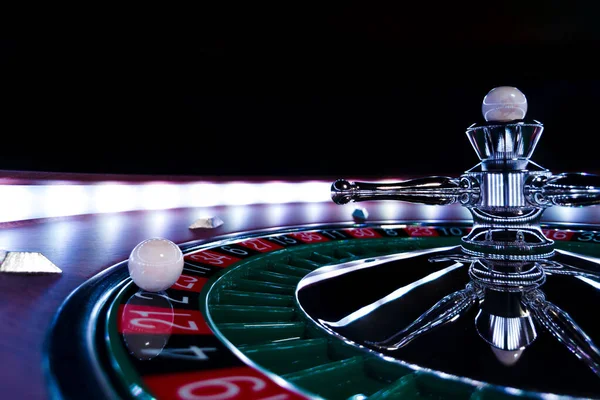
x,y
291,89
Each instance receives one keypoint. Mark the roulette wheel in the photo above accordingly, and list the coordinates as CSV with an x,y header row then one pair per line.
x,y
478,287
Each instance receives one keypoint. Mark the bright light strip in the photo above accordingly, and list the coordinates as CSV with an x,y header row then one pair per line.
x,y
23,202
160,196
16,203
204,194
241,194
590,282
396,294
109,197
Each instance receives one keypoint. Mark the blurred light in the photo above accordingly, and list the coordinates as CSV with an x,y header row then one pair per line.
x,y
240,194
64,200
432,212
357,397
156,224
203,195
391,209
111,227
563,213
314,211
402,226
62,235
275,214
514,391
277,192
16,203
312,192
113,198
238,217
22,202
159,196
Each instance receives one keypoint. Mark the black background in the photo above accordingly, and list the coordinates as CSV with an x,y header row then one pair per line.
x,y
283,89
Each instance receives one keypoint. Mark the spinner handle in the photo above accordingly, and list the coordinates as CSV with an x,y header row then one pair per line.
x,y
435,190
446,310
564,329
568,189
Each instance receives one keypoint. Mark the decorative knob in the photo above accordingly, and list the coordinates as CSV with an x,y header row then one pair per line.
x,y
504,104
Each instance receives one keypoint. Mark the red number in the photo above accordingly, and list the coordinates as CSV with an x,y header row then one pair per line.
x,y
263,246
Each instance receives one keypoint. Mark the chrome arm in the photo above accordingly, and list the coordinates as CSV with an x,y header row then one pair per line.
x,y
569,189
579,267
565,330
446,310
435,190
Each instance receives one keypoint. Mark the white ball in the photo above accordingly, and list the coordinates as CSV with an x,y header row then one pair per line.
x,y
155,264
503,104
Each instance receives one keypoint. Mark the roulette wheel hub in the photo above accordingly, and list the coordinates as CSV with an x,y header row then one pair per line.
x,y
508,256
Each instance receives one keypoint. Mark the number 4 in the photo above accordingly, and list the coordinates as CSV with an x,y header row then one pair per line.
x,y
188,353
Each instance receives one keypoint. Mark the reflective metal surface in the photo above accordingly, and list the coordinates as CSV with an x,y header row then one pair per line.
x,y
25,262
435,309
435,190
506,192
500,142
440,318
570,190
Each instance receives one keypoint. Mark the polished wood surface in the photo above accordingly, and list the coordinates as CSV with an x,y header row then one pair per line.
x,y
84,245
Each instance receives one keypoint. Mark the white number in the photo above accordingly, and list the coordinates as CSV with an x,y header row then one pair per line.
x,y
210,257
557,235
239,252
283,240
257,244
196,268
189,353
190,280
390,232
184,299
141,322
589,236
333,234
308,236
228,389
363,232
452,231
418,231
